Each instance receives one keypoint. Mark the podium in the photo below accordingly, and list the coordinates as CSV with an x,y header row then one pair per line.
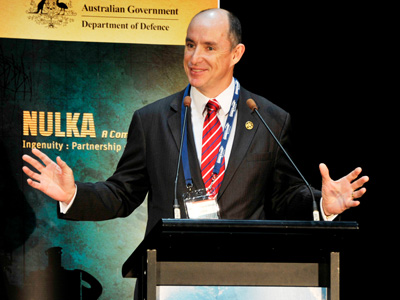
x,y
240,253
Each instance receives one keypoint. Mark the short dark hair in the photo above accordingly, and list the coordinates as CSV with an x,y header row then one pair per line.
x,y
235,29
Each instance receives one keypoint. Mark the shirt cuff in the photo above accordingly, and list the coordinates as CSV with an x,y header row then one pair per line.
x,y
326,218
65,207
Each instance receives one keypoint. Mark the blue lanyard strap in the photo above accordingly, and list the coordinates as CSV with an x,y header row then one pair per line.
x,y
225,138
227,128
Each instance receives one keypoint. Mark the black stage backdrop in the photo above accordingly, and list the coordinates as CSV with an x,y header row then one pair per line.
x,y
322,64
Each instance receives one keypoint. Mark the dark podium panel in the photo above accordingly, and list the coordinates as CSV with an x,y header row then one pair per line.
x,y
240,253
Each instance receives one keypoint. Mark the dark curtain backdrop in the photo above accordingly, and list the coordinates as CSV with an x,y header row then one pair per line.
x,y
323,64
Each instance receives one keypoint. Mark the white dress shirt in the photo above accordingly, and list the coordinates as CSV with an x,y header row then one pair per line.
x,y
199,102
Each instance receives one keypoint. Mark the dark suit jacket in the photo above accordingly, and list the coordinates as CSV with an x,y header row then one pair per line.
x,y
259,182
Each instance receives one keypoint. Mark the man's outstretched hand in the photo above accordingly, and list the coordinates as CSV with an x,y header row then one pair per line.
x,y
339,195
56,180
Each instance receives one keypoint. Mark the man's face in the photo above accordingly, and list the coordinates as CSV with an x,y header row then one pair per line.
x,y
208,59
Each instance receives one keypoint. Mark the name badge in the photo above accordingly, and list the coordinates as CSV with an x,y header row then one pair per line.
x,y
201,204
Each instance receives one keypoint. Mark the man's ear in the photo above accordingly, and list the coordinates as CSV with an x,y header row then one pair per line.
x,y
238,53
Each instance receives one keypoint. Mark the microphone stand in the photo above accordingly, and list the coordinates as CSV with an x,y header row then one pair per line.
x,y
177,211
253,106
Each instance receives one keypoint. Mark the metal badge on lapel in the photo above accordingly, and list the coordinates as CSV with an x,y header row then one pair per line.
x,y
249,125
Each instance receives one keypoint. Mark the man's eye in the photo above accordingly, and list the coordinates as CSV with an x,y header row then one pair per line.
x,y
189,45
210,48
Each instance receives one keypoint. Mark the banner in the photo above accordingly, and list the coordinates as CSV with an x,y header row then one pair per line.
x,y
120,21
76,101
69,96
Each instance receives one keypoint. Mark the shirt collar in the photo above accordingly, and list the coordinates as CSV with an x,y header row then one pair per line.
x,y
224,99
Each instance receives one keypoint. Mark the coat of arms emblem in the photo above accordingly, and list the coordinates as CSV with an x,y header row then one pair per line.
x,y
51,13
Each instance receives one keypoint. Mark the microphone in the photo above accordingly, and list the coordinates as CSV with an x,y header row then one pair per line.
x,y
253,106
177,212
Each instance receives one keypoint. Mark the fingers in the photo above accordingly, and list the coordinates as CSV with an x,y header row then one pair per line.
x,y
353,204
30,173
63,167
359,193
33,162
34,184
357,185
359,182
358,190
62,164
324,172
35,176
43,157
37,165
354,174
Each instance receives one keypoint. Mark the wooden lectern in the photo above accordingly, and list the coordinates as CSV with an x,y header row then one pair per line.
x,y
240,253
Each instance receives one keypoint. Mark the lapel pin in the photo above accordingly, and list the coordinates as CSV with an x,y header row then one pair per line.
x,y
249,125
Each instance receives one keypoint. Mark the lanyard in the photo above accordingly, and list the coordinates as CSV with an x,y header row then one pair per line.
x,y
225,137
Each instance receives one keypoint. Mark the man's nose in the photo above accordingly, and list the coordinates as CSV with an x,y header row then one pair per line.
x,y
197,56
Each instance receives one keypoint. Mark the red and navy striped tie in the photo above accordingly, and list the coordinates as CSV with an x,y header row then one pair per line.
x,y
212,137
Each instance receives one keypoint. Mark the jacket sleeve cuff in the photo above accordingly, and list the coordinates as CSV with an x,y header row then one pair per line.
x,y
65,207
325,217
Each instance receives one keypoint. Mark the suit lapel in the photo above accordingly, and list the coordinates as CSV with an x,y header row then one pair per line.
x,y
193,160
242,141
174,123
174,119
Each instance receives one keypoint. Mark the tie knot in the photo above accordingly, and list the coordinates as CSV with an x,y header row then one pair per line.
x,y
213,105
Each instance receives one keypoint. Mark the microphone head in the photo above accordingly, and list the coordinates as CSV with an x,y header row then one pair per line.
x,y
251,104
187,101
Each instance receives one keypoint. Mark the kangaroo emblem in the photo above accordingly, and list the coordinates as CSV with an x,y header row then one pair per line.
x,y
39,7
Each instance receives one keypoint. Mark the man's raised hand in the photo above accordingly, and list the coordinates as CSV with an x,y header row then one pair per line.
x,y
339,195
56,180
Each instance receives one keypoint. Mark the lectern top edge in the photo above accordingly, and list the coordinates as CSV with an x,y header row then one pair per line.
x,y
175,237
254,224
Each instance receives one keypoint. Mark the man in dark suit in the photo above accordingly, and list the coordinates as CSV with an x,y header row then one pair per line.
x,y
258,181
